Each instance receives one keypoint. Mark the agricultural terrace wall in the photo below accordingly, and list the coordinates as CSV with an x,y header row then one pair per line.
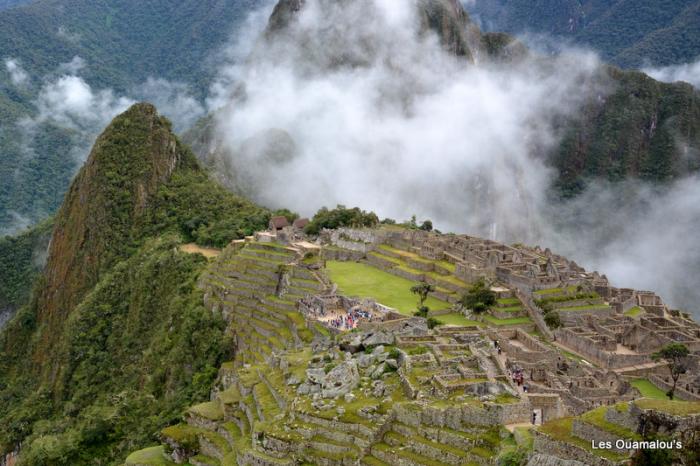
x,y
455,417
543,443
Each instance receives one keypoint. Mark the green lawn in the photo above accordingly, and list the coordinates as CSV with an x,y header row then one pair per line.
x,y
634,312
456,318
549,291
587,307
676,407
596,417
358,279
507,302
513,321
648,389
509,309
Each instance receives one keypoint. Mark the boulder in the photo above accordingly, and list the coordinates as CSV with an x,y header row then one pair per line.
x,y
379,371
293,380
365,360
316,375
342,379
378,338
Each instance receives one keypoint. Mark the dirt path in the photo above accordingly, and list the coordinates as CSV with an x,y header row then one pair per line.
x,y
192,248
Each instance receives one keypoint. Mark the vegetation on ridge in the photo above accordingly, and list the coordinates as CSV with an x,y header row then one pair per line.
x,y
21,258
134,344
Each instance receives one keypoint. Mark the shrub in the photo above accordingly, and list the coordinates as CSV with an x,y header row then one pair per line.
x,y
433,322
479,298
422,312
341,216
552,319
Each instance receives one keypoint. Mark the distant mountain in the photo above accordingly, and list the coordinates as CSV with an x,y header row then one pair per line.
x,y
628,33
11,3
642,129
121,45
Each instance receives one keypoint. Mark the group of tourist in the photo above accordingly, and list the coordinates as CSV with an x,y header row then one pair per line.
x,y
516,375
351,319
518,378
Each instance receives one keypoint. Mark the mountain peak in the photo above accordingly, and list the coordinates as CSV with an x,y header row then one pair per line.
x,y
134,155
445,18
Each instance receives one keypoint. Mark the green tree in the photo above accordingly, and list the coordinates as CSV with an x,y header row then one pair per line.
x,y
479,298
676,355
427,226
433,322
422,312
552,319
422,289
341,216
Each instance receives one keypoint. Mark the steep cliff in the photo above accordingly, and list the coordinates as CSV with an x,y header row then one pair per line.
x,y
96,224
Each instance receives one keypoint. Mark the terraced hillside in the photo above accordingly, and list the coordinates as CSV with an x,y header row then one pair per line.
x,y
291,395
392,389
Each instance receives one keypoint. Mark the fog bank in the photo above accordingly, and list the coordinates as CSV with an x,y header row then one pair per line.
x,y
356,106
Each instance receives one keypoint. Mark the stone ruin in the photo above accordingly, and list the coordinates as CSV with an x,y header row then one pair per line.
x,y
392,391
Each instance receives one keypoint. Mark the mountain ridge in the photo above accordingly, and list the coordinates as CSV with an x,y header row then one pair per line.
x,y
114,340
627,33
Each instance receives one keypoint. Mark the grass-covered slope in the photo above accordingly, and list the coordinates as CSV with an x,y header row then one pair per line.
x,y
362,280
115,341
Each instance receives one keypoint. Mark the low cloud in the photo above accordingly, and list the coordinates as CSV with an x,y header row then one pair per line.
x,y
18,76
18,224
687,72
72,103
401,127
174,100
640,235
353,105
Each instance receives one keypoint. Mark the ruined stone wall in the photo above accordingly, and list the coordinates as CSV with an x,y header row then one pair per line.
x,y
589,349
547,445
531,356
534,313
682,423
345,255
550,404
624,419
456,417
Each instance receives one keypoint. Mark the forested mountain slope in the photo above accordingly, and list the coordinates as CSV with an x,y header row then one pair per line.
x,y
120,45
629,33
10,3
115,340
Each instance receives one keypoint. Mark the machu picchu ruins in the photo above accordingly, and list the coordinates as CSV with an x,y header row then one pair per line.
x,y
334,366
